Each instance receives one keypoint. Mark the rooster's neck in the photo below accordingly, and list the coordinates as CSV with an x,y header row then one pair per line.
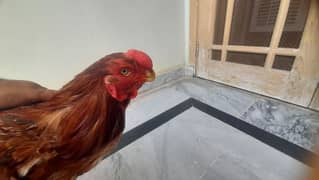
x,y
87,122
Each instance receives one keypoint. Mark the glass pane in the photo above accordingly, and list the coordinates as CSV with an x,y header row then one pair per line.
x,y
220,21
216,55
283,62
295,24
246,58
253,22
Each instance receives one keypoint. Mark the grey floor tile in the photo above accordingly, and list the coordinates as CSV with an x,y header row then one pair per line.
x,y
195,146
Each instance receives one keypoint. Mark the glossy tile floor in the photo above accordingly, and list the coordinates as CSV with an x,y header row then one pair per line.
x,y
195,145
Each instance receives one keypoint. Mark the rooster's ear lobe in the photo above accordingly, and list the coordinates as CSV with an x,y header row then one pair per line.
x,y
109,80
106,80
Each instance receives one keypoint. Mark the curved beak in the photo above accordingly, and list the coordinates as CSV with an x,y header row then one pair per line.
x,y
150,75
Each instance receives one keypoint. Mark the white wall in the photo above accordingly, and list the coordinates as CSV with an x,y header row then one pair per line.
x,y
187,29
50,41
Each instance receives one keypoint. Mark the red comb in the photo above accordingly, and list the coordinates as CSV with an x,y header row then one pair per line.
x,y
142,58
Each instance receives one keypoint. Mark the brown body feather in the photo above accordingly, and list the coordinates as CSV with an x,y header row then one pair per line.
x,y
65,136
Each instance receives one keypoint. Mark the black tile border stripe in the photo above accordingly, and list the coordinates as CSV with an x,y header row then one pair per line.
x,y
274,141
148,126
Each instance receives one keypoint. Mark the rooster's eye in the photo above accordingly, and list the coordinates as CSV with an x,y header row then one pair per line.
x,y
125,72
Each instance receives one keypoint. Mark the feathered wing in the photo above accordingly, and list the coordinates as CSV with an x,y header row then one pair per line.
x,y
31,146
22,146
67,135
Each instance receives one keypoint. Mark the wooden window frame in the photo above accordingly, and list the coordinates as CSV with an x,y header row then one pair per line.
x,y
301,81
271,51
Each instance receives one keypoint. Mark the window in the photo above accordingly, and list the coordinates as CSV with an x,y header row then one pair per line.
x,y
258,32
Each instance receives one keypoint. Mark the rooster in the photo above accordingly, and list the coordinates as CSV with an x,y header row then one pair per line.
x,y
70,133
